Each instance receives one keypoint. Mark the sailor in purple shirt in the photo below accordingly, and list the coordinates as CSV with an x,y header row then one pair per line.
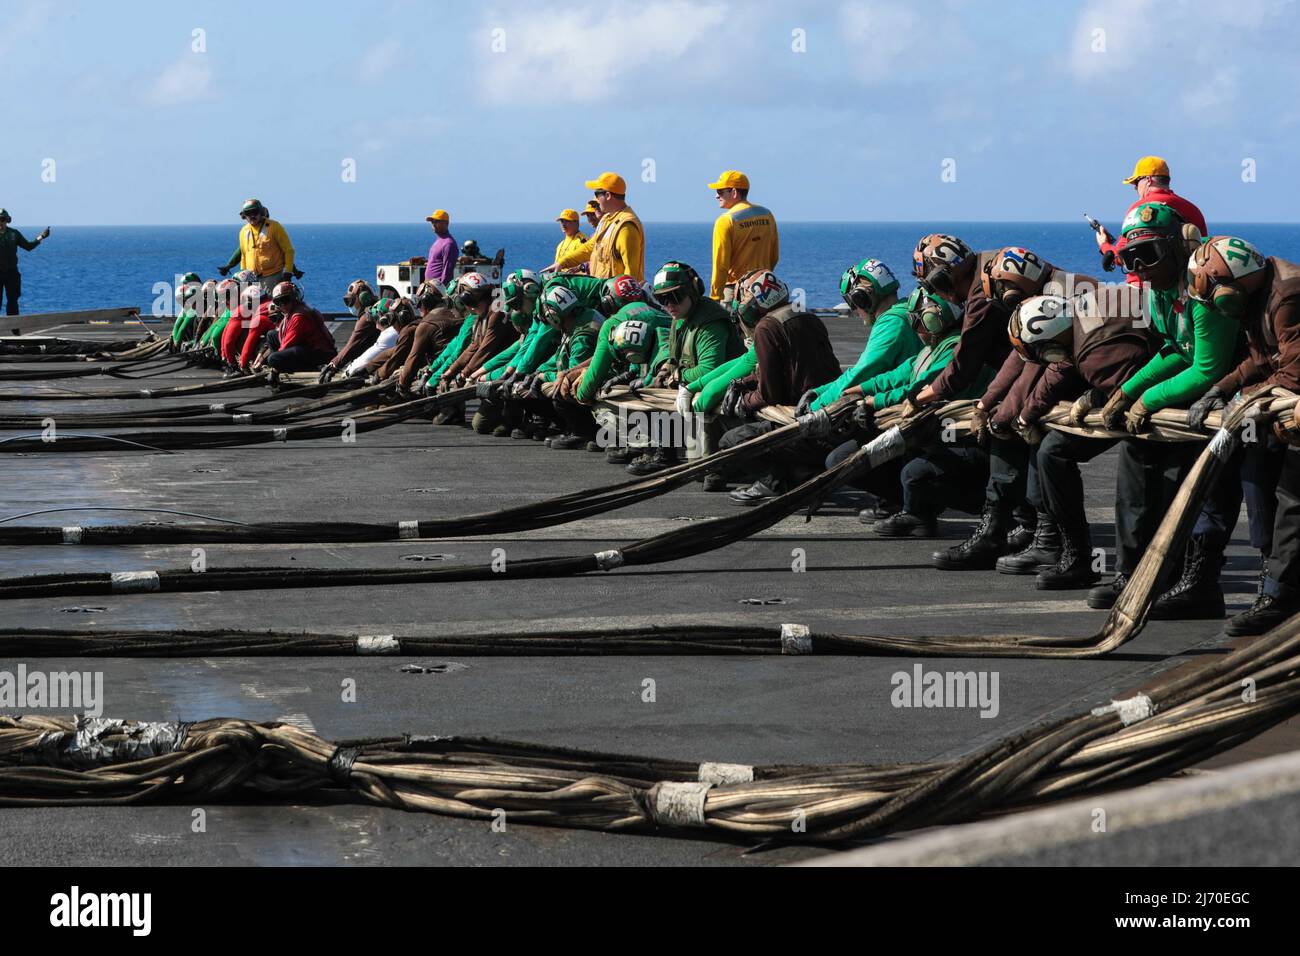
x,y
444,252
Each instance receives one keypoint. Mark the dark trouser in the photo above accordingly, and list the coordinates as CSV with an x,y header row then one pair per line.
x,y
1252,473
11,285
576,418
1283,579
779,468
297,358
1013,476
1147,478
938,477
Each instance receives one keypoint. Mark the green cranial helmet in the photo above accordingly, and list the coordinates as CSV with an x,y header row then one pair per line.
x,y
521,289
1152,232
932,315
633,339
864,285
676,280
558,304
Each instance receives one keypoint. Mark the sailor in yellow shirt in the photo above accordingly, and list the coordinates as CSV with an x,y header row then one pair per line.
x,y
744,236
573,250
618,244
264,247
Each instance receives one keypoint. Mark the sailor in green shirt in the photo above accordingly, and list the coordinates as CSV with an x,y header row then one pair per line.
x,y
548,391
1197,346
701,338
521,296
941,475
870,289
11,240
188,302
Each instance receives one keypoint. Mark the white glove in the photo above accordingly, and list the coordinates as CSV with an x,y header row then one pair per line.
x,y
684,400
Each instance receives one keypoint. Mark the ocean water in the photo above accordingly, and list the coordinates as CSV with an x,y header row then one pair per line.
x,y
90,267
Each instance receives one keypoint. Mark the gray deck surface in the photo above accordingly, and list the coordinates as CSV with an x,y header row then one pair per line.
x,y
745,709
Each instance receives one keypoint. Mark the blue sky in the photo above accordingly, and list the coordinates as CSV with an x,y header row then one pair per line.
x,y
1039,114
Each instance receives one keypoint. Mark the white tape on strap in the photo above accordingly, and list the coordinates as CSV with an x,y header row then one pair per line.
x,y
219,407
885,447
796,639
128,581
608,560
378,644
72,535
1223,444
408,529
1130,711
243,419
722,774
280,434
679,804
145,393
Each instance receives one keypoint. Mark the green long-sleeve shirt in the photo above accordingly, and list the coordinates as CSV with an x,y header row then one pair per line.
x,y
605,362
1198,347
212,337
540,345
183,327
709,388
891,342
452,352
575,347
703,341
917,371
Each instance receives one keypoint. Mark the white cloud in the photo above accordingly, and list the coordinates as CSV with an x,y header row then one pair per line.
x,y
893,41
576,56
183,81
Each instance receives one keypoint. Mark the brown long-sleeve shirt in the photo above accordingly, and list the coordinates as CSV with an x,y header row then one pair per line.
x,y
793,354
488,336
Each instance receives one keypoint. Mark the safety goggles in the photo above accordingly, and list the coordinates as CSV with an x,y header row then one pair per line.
x,y
672,296
1143,255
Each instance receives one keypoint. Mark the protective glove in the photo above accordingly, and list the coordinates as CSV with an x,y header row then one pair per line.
x,y
535,386
1030,432
804,405
908,408
1287,435
979,425
617,381
864,416
1083,405
684,400
224,270
1212,401
1108,260
1113,411
327,373
1137,417
483,391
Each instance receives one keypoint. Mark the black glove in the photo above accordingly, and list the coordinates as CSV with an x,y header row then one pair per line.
x,y
327,373
483,390
1212,401
730,404
804,405
297,273
1108,260
864,416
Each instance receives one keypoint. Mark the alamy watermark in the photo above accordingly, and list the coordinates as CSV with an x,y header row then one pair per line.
x,y
957,689
81,691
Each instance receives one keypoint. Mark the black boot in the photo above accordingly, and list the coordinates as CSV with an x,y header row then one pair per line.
x,y
1041,552
1021,537
1104,596
1265,614
650,463
981,550
905,525
1197,595
1073,569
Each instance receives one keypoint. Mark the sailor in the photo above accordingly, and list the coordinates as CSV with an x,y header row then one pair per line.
x,y
792,352
573,250
1150,179
618,244
1197,346
490,332
592,213
942,474
441,264
189,301
242,319
436,326
226,305
301,341
701,338
579,328
1263,295
264,247
744,235
359,299
11,240
521,297
1073,350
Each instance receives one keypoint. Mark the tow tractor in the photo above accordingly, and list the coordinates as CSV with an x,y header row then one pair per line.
x,y
405,277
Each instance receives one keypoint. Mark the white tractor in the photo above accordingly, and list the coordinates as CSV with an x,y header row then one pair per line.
x,y
405,277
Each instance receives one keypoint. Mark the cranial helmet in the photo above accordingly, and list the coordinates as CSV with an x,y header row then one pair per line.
x,y
1225,272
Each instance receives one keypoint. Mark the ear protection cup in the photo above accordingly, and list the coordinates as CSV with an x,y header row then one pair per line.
x,y
1191,238
1229,299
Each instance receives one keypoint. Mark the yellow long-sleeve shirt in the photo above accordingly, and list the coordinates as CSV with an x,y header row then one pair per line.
x,y
572,252
266,252
744,239
618,247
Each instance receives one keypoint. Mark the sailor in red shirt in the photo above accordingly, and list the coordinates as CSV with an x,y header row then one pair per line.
x,y
242,318
301,342
1151,180
263,321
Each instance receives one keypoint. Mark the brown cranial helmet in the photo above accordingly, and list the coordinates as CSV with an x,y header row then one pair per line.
x,y
1225,272
941,261
1013,275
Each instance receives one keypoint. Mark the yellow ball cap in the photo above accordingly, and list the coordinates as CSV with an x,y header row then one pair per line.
x,y
731,179
567,215
612,182
1148,166
439,215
